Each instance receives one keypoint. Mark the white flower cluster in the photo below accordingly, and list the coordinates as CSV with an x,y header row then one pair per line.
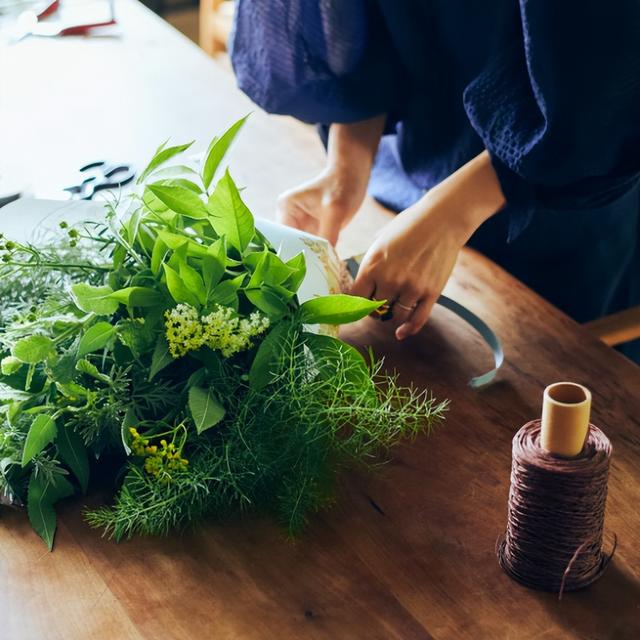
x,y
222,330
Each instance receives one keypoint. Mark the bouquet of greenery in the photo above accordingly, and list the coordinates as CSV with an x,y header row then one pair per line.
x,y
167,350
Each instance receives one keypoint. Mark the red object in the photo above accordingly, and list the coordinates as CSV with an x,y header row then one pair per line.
x,y
83,29
52,7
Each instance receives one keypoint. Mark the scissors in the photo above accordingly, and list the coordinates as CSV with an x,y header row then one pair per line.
x,y
29,23
98,176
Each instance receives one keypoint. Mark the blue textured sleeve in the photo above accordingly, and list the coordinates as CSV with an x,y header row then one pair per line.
x,y
558,108
319,61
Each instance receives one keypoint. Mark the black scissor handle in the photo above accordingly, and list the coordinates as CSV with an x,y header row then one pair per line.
x,y
104,175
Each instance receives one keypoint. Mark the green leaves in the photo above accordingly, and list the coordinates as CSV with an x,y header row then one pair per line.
x,y
160,359
130,420
9,365
267,301
270,270
177,287
44,492
90,369
74,454
226,293
331,355
268,357
337,309
158,254
205,408
94,299
43,431
33,349
180,199
213,265
218,149
161,155
138,296
299,266
193,281
229,214
96,337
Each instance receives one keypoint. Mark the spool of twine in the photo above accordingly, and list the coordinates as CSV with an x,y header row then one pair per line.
x,y
555,519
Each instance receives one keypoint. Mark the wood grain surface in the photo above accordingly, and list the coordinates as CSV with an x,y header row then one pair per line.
x,y
408,551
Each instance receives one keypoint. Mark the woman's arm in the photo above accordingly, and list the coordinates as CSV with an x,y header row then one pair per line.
x,y
412,259
325,204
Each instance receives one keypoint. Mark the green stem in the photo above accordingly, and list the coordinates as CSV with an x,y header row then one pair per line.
x,y
58,265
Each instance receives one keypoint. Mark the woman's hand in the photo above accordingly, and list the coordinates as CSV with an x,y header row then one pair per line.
x,y
410,262
325,204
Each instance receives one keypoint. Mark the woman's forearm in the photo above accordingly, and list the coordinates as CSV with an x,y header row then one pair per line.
x,y
326,203
467,198
352,147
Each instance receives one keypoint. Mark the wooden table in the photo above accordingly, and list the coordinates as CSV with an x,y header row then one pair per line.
x,y
408,552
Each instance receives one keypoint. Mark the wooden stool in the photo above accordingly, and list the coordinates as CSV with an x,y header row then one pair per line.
x,y
216,20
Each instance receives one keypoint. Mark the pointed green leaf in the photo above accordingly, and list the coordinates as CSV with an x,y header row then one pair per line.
x,y
218,149
172,240
269,270
205,408
130,420
229,214
267,301
138,296
42,431
158,254
74,454
179,242
177,288
193,281
329,352
132,224
337,309
63,369
94,299
138,334
299,266
226,293
213,265
96,337
43,493
158,208
178,182
160,359
175,171
161,156
180,200
33,349
268,356
10,364
90,369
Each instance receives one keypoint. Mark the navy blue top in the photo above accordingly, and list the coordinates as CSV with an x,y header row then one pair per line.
x,y
551,88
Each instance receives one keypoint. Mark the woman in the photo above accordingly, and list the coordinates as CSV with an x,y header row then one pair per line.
x,y
511,126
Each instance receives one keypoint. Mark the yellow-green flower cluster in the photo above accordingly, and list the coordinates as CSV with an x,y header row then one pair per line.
x,y
160,462
183,330
222,330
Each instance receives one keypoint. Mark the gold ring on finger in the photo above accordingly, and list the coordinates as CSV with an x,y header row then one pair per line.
x,y
406,307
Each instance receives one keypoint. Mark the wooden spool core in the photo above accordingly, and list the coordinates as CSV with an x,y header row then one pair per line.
x,y
566,408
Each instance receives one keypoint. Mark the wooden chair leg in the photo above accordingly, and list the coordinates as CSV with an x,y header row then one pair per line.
x,y
617,328
216,19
